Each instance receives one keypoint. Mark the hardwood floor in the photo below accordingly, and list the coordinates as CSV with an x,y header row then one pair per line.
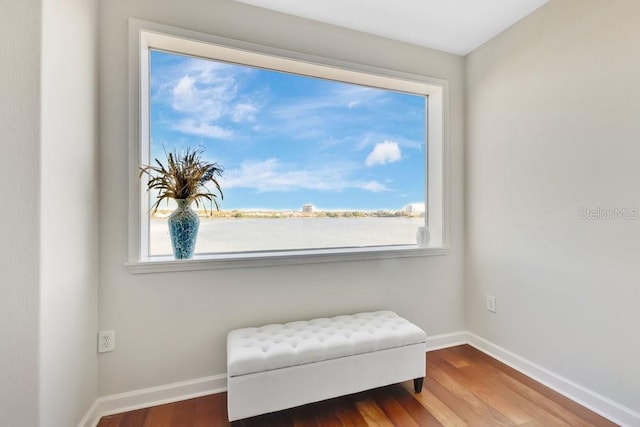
x,y
463,387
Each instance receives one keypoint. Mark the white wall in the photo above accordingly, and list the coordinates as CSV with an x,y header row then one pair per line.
x,y
19,192
172,326
553,108
69,206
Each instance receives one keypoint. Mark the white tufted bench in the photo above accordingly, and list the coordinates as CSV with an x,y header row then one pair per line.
x,y
277,367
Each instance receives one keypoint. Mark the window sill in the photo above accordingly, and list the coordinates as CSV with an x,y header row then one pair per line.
x,y
270,259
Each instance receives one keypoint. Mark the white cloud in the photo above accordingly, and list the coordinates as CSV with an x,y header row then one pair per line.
x,y
349,96
273,175
206,97
307,117
353,95
383,153
374,186
244,112
184,87
200,128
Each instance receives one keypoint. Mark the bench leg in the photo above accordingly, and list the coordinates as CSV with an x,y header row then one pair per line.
x,y
417,384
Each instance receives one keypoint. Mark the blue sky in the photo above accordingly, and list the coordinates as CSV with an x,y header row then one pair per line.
x,y
287,140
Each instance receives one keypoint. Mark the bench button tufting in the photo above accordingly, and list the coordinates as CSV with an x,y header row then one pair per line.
x,y
277,346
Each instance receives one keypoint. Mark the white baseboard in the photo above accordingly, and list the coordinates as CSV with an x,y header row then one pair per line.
x,y
144,398
438,342
599,404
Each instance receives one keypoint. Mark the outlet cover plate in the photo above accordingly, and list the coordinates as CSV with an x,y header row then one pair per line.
x,y
106,341
491,303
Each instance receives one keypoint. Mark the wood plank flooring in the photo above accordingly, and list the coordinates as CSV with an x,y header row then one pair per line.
x,y
463,387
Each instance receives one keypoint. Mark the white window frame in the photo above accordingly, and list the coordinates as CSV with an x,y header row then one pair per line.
x,y
144,36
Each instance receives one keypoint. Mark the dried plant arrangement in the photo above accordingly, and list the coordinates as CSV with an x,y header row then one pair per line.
x,y
185,177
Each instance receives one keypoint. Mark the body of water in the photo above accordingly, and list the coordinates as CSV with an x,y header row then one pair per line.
x,y
249,234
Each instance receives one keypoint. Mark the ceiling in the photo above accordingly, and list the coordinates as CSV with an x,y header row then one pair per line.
x,y
454,26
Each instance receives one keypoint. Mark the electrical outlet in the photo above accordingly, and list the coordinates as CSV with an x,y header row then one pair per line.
x,y
491,303
106,341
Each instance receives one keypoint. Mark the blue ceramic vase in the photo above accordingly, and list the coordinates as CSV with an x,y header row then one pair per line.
x,y
183,228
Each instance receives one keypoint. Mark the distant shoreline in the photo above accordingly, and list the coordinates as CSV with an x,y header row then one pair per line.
x,y
275,214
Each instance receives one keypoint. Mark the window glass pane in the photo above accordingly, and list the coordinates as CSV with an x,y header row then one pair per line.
x,y
309,163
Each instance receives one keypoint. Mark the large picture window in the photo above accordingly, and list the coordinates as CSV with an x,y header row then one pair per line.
x,y
309,163
315,157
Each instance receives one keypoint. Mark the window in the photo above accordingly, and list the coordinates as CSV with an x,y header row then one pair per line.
x,y
318,159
